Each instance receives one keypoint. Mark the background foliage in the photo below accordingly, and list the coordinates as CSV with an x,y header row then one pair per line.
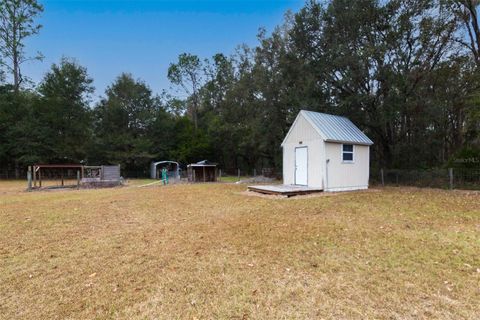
x,y
406,72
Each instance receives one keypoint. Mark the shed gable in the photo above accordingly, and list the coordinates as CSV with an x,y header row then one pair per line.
x,y
301,130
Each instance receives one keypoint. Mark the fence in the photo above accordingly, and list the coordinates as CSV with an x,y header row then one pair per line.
x,y
453,178
241,173
7,174
449,178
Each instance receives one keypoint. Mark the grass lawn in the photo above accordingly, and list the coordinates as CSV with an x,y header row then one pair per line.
x,y
207,251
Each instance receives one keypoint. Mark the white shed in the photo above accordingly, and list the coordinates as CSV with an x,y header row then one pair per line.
x,y
327,152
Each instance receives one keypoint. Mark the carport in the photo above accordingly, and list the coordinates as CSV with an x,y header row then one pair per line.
x,y
174,173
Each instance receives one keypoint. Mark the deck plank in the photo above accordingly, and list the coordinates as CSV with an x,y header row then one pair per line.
x,y
285,190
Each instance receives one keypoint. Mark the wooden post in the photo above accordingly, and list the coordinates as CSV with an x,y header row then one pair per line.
x,y
450,175
40,177
29,178
238,174
61,174
78,179
220,174
204,175
382,177
254,172
34,177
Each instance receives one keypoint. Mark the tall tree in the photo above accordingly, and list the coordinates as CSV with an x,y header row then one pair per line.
x,y
124,119
187,73
65,112
17,24
374,58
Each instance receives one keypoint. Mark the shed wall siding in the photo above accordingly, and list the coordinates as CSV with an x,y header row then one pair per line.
x,y
304,132
347,176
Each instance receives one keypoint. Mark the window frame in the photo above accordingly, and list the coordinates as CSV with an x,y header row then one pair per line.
x,y
342,152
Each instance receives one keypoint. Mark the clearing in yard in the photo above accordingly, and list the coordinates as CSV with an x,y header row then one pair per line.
x,y
207,251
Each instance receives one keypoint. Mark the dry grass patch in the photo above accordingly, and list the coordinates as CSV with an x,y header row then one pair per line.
x,y
12,186
209,252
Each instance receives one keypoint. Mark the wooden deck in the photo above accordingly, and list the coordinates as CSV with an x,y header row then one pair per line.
x,y
284,190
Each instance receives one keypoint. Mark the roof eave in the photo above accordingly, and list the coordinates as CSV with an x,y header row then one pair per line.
x,y
350,142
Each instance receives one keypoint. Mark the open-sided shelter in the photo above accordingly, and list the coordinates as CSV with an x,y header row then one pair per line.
x,y
203,171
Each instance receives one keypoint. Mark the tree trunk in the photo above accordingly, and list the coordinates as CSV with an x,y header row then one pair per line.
x,y
195,111
16,72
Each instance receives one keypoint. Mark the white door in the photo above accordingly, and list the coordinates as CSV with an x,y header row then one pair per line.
x,y
301,166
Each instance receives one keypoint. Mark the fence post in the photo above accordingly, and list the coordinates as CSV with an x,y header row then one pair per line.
x,y
450,175
238,174
382,177
219,174
78,179
29,178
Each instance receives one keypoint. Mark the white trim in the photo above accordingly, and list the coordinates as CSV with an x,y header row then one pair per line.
x,y
338,189
352,152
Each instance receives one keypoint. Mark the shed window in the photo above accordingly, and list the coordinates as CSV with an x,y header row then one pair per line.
x,y
347,153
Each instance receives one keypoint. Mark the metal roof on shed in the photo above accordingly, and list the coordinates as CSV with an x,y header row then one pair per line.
x,y
334,128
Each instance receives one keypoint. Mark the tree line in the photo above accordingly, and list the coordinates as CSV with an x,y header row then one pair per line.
x,y
406,72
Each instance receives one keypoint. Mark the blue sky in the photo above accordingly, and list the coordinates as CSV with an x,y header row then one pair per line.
x,y
144,37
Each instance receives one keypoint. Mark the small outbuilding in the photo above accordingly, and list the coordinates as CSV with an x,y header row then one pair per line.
x,y
202,171
73,175
326,152
172,167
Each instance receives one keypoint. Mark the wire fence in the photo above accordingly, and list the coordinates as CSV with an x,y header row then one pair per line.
x,y
448,178
445,178
10,174
466,179
256,172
